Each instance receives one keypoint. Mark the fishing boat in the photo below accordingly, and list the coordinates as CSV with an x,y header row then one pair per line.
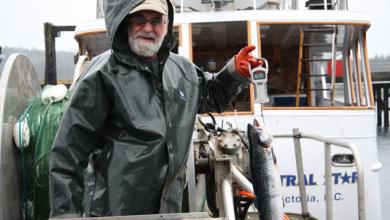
x,y
318,85
319,81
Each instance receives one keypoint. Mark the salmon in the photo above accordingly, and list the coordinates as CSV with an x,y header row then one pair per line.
x,y
265,177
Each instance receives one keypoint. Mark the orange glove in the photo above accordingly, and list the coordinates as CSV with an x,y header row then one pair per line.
x,y
243,59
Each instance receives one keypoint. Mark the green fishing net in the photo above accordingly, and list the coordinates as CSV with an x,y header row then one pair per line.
x,y
43,118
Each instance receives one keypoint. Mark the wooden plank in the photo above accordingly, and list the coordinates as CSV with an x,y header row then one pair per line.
x,y
180,30
230,113
190,44
249,40
297,92
307,69
317,23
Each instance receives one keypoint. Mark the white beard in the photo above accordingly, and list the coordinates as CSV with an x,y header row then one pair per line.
x,y
142,48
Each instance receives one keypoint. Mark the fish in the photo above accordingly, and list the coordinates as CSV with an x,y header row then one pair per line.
x,y
265,177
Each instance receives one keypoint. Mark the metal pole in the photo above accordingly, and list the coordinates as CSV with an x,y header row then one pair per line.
x,y
359,168
2,57
294,4
254,5
360,184
333,83
385,106
379,105
328,182
50,54
364,70
228,203
346,79
301,180
242,180
355,75
51,32
192,200
351,147
99,9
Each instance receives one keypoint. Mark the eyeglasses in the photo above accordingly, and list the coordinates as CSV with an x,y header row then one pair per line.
x,y
140,21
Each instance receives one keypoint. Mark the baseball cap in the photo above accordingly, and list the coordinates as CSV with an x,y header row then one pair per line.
x,y
154,5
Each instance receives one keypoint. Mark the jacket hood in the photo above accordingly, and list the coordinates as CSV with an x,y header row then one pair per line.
x,y
115,12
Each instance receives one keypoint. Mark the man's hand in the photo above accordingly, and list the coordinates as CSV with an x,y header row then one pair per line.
x,y
243,59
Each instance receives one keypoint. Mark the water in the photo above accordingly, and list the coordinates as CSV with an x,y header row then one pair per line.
x,y
383,139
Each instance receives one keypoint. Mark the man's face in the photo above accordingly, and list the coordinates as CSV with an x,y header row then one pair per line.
x,y
146,31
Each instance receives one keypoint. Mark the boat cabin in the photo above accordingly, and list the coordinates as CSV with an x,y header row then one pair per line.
x,y
317,58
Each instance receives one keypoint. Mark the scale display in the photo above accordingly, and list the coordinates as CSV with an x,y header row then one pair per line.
x,y
259,80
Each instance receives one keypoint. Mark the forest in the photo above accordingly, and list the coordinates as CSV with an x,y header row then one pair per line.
x,y
64,60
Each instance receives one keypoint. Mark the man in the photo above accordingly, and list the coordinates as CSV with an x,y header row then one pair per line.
x,y
131,117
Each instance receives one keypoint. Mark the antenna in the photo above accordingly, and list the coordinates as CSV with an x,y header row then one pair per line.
x,y
216,5
2,57
99,9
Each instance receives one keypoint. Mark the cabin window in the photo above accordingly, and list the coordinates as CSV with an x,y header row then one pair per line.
x,y
176,34
225,5
315,65
214,44
94,43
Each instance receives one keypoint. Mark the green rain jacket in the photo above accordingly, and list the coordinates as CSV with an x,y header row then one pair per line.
x,y
124,138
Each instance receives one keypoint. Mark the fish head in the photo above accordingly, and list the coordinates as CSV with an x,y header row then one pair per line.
x,y
259,134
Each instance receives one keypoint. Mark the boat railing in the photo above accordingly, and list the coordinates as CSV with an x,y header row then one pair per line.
x,y
216,5
310,4
328,143
340,4
261,5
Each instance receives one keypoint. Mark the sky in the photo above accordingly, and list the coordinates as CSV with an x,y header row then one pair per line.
x,y
379,32
21,22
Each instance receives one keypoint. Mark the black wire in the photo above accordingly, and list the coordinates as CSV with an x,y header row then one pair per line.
x,y
212,118
208,126
211,127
